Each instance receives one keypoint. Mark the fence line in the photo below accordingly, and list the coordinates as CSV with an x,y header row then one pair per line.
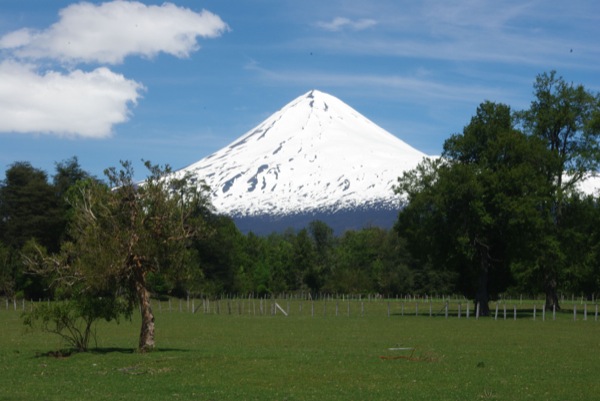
x,y
328,305
362,306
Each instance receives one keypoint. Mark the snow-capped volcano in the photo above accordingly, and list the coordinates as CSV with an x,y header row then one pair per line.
x,y
315,154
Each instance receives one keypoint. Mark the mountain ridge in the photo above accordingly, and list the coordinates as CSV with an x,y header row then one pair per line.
x,y
316,154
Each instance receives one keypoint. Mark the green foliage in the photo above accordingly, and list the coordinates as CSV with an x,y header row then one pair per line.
x,y
29,208
121,233
8,272
580,243
469,211
74,319
500,208
566,118
217,258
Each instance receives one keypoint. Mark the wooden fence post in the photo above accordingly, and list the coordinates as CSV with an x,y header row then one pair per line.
x,y
515,312
459,310
574,312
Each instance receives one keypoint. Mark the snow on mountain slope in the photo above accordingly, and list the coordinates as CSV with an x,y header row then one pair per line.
x,y
316,153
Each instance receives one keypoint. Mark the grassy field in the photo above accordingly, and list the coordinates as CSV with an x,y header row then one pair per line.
x,y
305,357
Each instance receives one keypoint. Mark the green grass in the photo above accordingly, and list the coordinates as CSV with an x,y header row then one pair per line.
x,y
301,357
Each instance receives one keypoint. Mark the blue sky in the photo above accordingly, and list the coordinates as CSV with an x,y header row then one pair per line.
x,y
171,83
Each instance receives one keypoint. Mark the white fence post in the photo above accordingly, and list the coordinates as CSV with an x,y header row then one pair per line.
x,y
544,312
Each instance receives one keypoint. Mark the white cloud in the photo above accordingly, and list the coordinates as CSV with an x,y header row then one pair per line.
x,y
77,104
15,39
520,33
89,103
109,32
339,23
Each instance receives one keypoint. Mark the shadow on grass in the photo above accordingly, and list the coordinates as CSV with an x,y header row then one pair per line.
x,y
65,353
110,350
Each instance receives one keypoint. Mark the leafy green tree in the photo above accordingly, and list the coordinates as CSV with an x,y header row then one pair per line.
x,y
566,118
301,275
29,208
467,211
122,232
580,243
392,269
7,272
280,261
78,304
324,241
357,261
252,275
219,255
67,173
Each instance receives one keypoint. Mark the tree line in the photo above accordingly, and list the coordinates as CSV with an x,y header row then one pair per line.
x,y
42,216
501,207
499,211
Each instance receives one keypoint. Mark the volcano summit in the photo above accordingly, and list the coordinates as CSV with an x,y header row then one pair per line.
x,y
316,158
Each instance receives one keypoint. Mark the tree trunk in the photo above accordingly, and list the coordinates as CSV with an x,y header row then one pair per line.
x,y
482,296
147,330
551,293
